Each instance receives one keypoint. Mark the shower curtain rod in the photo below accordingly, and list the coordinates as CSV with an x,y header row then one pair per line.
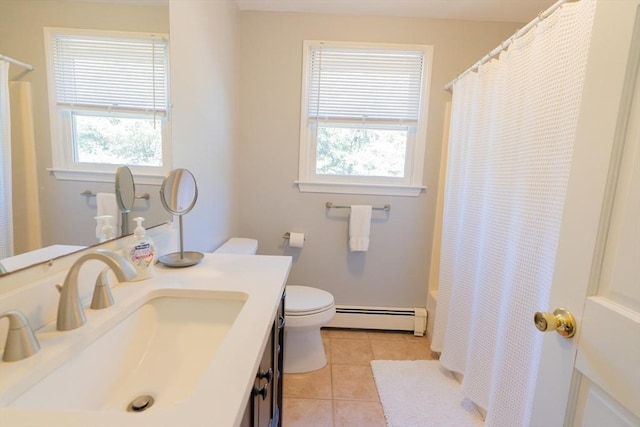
x,y
505,44
15,61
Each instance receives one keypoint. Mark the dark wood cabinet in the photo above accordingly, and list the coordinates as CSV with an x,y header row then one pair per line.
x,y
264,408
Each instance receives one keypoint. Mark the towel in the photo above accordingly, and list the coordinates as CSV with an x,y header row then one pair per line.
x,y
107,205
359,226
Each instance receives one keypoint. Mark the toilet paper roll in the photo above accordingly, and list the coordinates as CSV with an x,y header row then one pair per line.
x,y
296,240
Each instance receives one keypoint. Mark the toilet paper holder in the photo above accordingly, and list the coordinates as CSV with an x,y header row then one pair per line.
x,y
287,235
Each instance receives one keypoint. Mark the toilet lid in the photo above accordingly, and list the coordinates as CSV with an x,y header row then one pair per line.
x,y
303,299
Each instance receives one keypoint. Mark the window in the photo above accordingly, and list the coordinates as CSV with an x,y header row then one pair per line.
x,y
363,119
108,94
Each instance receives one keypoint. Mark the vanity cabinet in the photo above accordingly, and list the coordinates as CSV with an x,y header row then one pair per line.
x,y
264,408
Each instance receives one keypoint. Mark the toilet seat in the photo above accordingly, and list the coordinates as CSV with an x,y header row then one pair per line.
x,y
305,301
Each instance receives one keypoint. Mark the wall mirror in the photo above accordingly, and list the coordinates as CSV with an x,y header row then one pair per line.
x,y
178,195
65,217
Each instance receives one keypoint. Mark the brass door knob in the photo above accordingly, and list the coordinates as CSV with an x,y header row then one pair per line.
x,y
561,321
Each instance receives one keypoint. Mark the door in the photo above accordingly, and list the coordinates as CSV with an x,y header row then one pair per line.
x,y
593,379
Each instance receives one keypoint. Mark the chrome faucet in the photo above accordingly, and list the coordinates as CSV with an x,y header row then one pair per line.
x,y
70,313
21,343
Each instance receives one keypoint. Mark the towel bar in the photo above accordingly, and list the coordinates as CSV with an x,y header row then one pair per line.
x,y
330,205
88,193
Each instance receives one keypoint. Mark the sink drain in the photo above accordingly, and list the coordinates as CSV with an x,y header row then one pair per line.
x,y
140,403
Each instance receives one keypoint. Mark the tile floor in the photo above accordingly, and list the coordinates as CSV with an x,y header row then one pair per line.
x,y
343,393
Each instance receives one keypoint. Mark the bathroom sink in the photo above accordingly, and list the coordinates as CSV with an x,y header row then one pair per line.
x,y
161,349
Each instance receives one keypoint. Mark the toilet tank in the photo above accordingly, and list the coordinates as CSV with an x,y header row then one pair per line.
x,y
238,245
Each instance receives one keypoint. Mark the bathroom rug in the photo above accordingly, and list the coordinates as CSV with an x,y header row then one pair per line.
x,y
421,393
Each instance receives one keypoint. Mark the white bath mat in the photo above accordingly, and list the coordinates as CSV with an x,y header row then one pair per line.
x,y
420,393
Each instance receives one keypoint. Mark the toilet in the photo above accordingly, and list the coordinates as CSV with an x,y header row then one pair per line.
x,y
307,309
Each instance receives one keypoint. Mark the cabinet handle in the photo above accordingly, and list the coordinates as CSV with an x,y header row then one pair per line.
x,y
262,391
268,375
282,322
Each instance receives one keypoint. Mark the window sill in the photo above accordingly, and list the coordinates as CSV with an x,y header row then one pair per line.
x,y
368,189
100,176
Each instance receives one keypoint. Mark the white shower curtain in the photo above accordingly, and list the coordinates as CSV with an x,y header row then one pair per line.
x,y
27,231
6,211
511,139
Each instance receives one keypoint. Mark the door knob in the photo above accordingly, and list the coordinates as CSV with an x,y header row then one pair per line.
x,y
561,320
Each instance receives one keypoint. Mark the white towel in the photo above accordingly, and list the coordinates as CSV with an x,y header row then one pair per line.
x,y
359,226
107,205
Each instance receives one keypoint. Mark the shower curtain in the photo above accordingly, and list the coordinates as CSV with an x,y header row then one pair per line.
x,y
511,139
6,211
26,202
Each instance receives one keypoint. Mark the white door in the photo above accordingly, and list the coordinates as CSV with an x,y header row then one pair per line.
x,y
593,379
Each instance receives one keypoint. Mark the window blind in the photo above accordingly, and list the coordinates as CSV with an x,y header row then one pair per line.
x,y
127,74
364,84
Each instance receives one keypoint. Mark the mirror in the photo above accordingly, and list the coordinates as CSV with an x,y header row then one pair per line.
x,y
125,195
62,215
179,192
178,195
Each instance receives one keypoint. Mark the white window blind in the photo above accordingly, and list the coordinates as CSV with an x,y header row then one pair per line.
x,y
364,84
125,74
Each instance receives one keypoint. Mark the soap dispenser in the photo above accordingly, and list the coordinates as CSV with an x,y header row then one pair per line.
x,y
104,228
141,251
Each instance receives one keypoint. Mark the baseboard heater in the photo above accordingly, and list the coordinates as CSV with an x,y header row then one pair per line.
x,y
383,318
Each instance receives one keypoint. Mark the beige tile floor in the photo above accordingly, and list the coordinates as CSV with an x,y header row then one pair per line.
x,y
343,393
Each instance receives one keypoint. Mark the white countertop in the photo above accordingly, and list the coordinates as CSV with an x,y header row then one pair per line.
x,y
223,392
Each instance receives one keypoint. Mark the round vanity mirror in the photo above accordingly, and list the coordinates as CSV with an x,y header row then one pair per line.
x,y
125,195
179,192
178,195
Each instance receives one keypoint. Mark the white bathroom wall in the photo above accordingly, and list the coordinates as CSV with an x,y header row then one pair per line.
x,y
395,270
204,114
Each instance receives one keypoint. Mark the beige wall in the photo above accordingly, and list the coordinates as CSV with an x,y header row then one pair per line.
x,y
395,270
66,216
204,114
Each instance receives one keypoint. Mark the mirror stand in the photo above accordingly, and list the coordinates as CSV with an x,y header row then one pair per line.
x,y
124,227
182,258
125,196
178,195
